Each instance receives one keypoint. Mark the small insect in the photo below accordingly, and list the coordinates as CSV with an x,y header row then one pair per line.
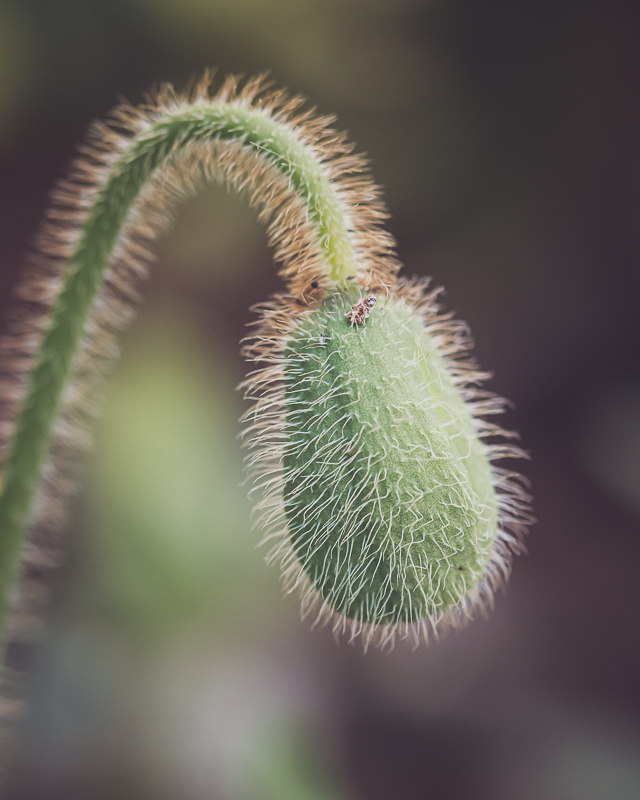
x,y
323,338
361,310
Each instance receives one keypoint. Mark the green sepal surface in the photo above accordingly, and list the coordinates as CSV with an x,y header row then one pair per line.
x,y
388,493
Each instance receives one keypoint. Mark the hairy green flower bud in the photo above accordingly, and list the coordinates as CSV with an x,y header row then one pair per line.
x,y
390,506
368,433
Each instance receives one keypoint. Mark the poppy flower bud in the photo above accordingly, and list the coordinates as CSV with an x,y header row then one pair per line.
x,y
379,487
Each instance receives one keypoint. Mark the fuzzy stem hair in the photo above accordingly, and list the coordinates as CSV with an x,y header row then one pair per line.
x,y
324,225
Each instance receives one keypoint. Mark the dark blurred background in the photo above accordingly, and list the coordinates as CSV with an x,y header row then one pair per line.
x,y
507,138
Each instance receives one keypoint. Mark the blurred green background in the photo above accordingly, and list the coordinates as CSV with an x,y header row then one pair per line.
x,y
506,136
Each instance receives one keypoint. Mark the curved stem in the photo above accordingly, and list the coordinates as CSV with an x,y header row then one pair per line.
x,y
160,141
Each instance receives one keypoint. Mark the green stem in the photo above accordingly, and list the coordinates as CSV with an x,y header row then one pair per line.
x,y
165,138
